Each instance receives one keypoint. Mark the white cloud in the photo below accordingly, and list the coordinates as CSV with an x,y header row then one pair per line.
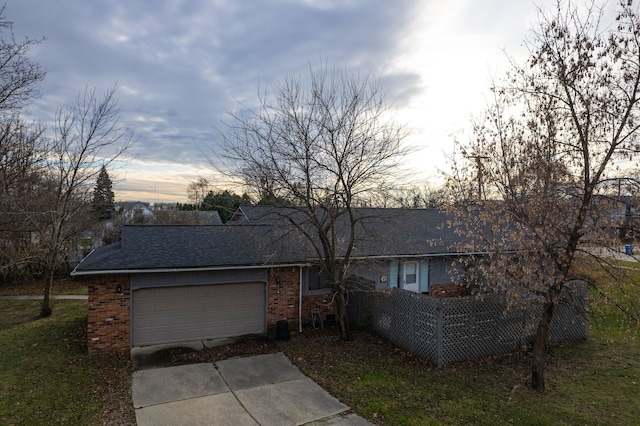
x,y
181,65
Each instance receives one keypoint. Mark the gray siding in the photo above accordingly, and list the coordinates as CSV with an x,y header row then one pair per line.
x,y
433,271
372,271
167,279
442,270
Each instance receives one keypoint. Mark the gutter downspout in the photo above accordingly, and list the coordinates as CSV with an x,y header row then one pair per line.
x,y
300,303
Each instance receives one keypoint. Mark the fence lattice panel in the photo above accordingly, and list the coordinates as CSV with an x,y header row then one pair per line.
x,y
458,329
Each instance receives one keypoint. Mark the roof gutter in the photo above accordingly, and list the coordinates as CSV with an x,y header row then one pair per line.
x,y
75,273
416,256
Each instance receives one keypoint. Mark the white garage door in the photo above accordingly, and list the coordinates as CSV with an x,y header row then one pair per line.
x,y
175,314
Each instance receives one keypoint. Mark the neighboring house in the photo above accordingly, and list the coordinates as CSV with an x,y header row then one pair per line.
x,y
167,284
190,217
617,213
136,212
624,207
625,212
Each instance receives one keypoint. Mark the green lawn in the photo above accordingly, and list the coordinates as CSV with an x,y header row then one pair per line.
x,y
47,377
591,383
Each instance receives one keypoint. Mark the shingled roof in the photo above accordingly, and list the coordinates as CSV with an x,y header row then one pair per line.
x,y
266,237
170,247
405,232
380,231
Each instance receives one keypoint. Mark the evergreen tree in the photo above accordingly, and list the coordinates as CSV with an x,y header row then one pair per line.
x,y
224,202
103,205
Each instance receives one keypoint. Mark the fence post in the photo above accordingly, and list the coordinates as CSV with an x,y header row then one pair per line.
x,y
439,334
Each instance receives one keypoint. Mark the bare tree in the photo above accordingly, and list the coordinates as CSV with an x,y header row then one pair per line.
x,y
419,197
87,137
20,191
20,153
197,190
19,76
542,155
321,147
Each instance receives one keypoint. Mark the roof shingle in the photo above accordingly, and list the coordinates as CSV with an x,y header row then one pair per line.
x,y
266,238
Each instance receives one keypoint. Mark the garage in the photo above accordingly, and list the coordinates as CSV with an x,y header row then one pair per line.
x,y
197,312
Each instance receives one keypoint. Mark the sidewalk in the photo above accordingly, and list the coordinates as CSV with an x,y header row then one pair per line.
x,y
611,253
56,297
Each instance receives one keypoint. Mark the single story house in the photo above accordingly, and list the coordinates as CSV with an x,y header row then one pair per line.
x,y
171,283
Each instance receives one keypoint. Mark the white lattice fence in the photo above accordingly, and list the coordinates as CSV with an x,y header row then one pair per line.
x,y
570,320
458,329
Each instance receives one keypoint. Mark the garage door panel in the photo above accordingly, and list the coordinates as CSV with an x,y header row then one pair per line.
x,y
161,306
194,318
173,314
163,321
146,309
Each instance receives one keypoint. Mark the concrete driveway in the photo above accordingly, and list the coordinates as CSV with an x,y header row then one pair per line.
x,y
257,390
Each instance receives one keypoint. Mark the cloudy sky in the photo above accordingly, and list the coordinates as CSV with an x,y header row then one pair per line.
x,y
181,65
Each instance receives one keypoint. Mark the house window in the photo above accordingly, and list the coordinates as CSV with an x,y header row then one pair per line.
x,y
316,279
410,276
410,273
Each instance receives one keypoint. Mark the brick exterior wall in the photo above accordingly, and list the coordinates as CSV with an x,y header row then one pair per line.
x,y
109,317
321,302
109,325
283,298
448,290
283,295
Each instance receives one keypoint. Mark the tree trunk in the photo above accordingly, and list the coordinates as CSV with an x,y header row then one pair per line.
x,y
539,344
47,305
341,315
